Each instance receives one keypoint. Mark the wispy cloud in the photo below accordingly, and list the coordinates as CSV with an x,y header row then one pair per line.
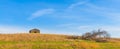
x,y
78,4
109,13
40,13
7,29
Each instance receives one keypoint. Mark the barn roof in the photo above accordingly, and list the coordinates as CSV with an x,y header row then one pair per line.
x,y
35,29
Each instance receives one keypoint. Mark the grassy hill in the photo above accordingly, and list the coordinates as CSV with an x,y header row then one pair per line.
x,y
51,41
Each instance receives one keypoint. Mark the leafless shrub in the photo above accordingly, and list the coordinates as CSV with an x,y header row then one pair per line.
x,y
99,35
74,37
86,36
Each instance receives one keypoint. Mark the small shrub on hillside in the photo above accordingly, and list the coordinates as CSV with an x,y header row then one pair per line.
x,y
99,36
74,37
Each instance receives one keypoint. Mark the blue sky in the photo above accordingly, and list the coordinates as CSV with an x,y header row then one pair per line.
x,y
73,17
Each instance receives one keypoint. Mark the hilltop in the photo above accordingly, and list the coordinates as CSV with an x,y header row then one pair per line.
x,y
52,41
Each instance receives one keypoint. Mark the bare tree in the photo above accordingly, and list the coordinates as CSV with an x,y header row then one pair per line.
x,y
86,36
99,35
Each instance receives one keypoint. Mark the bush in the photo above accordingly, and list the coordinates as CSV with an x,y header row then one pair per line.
x,y
74,37
101,36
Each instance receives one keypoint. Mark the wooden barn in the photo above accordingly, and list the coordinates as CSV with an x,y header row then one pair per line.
x,y
34,31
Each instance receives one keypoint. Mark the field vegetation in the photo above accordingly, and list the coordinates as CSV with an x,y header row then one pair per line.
x,y
52,41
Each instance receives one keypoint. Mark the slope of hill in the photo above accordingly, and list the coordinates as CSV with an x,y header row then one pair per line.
x,y
51,41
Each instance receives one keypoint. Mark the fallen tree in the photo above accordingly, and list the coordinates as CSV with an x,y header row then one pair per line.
x,y
99,36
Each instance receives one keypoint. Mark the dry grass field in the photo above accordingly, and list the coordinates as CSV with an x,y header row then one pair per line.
x,y
51,41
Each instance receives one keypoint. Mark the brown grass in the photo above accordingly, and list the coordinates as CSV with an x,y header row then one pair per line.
x,y
50,41
32,37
